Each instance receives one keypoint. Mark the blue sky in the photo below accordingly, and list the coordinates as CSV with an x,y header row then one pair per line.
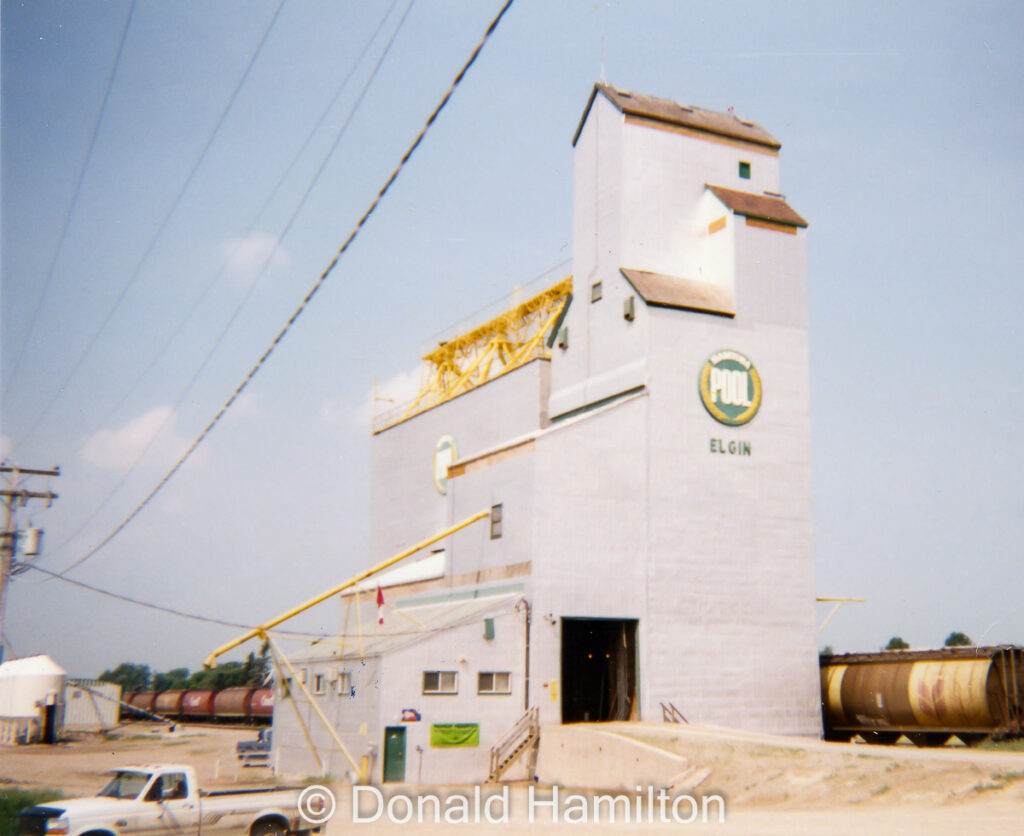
x,y
902,137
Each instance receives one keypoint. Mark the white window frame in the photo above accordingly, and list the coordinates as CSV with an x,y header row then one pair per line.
x,y
343,684
497,520
494,687
440,689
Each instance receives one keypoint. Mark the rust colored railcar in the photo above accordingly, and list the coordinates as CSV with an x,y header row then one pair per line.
x,y
168,703
197,705
261,706
142,700
232,703
244,704
927,695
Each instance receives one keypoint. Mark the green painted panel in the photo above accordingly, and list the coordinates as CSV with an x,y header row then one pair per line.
x,y
394,754
455,734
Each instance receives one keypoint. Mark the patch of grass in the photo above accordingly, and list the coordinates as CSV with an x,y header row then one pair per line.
x,y
998,785
893,765
1007,777
882,789
762,751
14,800
1003,745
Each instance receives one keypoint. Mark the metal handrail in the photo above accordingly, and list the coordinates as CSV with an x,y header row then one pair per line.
x,y
671,714
525,727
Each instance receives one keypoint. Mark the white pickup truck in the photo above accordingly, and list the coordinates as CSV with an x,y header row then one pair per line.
x,y
164,800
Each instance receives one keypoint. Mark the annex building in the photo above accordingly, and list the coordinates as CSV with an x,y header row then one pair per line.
x,y
632,445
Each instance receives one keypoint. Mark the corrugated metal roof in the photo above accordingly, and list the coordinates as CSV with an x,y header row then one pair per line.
x,y
678,292
406,622
673,113
765,207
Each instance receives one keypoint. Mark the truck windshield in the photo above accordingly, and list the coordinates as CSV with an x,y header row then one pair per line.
x,y
125,785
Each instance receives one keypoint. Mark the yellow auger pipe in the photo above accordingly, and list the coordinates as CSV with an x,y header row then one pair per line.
x,y
356,769
838,605
362,576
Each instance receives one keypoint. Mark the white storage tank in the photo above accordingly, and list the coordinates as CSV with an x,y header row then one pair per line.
x,y
30,696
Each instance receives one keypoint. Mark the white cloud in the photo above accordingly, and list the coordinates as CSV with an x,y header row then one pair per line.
x,y
119,448
389,394
247,256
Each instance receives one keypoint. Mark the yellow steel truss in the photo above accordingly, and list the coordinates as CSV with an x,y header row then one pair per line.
x,y
488,351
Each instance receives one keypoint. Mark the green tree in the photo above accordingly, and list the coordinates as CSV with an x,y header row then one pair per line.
x,y
896,643
958,639
258,668
173,680
250,673
827,650
129,676
228,675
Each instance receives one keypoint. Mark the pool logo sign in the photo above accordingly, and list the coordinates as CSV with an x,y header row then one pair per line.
x,y
730,388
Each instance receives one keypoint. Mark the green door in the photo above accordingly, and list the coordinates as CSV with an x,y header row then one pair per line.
x,y
394,754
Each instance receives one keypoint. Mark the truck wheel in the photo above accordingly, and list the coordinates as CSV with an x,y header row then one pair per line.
x,y
267,828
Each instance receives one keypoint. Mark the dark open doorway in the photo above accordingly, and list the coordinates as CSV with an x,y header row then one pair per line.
x,y
598,669
50,723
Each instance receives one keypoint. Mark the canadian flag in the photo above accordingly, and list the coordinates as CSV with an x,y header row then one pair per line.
x,y
380,605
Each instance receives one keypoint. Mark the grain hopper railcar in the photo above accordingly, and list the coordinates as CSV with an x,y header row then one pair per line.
x,y
928,695
253,705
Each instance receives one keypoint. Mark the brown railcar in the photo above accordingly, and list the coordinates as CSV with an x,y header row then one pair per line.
x,y
927,695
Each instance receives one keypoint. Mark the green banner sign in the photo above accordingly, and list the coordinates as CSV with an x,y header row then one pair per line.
x,y
455,734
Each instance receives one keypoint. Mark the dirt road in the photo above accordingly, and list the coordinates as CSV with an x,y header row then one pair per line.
x,y
768,785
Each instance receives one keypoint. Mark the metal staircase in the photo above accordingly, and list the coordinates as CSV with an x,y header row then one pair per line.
x,y
522,738
671,714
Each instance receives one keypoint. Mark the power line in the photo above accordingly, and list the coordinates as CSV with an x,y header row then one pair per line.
x,y
118,596
310,295
158,607
249,230
71,207
195,305
222,623
128,599
137,272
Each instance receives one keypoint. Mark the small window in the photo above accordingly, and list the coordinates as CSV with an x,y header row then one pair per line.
x,y
494,682
303,675
440,682
174,786
319,681
344,683
595,291
744,170
495,522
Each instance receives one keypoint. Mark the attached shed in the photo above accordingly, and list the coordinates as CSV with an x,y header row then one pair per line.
x,y
90,705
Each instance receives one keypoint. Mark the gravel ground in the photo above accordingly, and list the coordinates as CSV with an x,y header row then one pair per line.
x,y
769,786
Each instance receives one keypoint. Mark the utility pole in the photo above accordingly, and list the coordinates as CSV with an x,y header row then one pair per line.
x,y
15,496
